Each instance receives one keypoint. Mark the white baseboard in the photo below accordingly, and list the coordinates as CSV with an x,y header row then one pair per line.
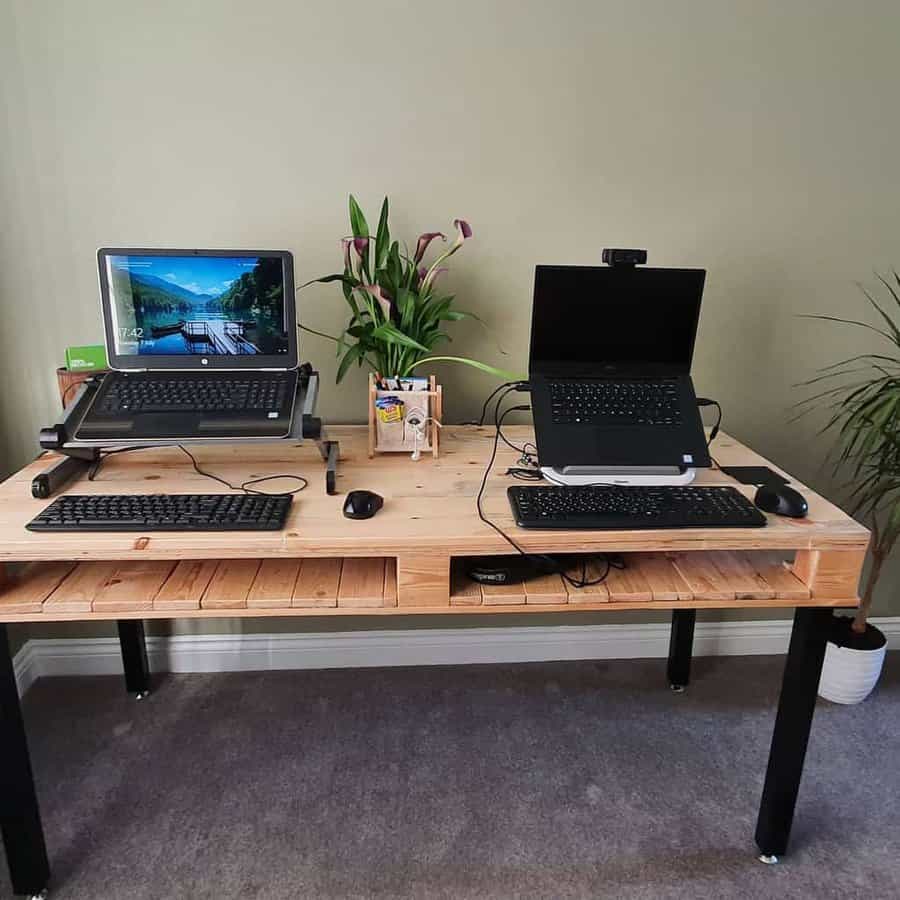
x,y
40,658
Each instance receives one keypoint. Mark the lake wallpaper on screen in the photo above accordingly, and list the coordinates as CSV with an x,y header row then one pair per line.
x,y
204,305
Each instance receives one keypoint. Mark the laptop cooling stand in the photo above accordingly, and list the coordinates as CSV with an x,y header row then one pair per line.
x,y
78,457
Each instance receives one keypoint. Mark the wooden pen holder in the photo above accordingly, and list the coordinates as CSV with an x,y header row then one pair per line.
x,y
399,436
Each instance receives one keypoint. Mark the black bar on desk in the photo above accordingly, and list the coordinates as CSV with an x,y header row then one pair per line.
x,y
20,818
681,646
793,720
134,656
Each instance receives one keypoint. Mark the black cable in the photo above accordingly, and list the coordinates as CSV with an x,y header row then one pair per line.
x,y
703,401
90,380
526,458
95,468
544,560
245,486
521,385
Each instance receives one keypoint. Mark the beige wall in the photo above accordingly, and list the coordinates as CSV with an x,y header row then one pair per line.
x,y
757,139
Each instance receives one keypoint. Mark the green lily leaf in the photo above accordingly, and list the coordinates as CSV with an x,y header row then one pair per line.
x,y
382,237
358,224
352,355
390,333
483,367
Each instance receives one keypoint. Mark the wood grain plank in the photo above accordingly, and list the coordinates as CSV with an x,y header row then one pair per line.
x,y
503,594
274,584
26,591
423,579
666,583
317,583
628,583
591,593
76,594
390,582
184,588
133,586
463,590
230,584
546,589
705,576
362,583
830,574
776,572
742,574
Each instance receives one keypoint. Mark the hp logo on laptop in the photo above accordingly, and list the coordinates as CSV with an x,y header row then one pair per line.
x,y
204,361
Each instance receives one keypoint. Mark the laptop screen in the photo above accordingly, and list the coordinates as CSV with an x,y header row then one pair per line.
x,y
217,308
616,317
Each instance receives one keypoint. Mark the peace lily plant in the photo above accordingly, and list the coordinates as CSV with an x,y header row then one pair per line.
x,y
397,310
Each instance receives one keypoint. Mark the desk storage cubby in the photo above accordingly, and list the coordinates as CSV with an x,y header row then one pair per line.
x,y
159,588
701,578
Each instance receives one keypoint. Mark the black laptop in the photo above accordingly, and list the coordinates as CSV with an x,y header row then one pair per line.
x,y
202,345
610,363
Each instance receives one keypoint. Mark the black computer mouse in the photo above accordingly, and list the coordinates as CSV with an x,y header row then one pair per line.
x,y
362,504
781,500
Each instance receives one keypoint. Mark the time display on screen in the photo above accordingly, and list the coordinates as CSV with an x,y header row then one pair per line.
x,y
134,334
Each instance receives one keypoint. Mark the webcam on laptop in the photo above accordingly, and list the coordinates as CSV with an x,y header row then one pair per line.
x,y
613,257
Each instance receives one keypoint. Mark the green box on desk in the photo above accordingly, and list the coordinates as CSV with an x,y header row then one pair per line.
x,y
86,359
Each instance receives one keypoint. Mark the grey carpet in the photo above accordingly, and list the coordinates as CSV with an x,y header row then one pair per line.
x,y
548,780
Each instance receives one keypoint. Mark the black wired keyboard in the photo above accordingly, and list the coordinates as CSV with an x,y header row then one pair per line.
x,y
257,393
607,402
164,512
623,507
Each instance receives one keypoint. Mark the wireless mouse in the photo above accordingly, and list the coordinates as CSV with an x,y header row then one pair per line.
x,y
781,500
362,504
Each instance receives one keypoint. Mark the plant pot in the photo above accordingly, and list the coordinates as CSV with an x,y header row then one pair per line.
x,y
852,663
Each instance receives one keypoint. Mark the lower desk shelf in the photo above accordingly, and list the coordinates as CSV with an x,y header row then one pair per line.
x,y
52,591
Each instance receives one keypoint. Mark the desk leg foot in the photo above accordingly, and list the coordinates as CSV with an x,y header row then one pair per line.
x,y
768,860
134,657
793,721
681,646
20,818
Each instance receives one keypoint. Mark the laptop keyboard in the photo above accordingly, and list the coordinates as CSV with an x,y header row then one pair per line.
x,y
605,402
250,393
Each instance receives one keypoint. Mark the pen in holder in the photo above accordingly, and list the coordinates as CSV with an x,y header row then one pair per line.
x,y
401,420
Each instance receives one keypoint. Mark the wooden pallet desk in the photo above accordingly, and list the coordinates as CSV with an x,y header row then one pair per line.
x,y
405,561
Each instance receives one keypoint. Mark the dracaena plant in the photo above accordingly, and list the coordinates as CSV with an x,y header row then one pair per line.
x,y
862,397
398,312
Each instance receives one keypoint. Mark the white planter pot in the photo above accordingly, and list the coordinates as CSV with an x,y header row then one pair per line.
x,y
848,676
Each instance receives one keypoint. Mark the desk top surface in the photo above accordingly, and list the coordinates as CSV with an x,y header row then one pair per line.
x,y
429,506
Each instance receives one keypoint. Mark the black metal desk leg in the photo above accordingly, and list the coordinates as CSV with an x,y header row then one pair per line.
x,y
681,646
134,657
20,818
792,724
